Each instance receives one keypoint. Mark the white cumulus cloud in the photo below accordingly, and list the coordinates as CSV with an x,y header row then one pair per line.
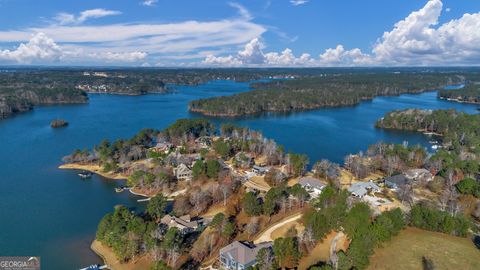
x,y
419,39
253,55
39,48
160,41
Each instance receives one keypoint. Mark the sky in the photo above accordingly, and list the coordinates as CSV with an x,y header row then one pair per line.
x,y
248,33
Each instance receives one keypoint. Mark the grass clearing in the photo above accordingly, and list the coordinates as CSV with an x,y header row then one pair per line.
x,y
405,251
321,251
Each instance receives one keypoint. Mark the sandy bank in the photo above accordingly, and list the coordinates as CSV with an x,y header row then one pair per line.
x,y
94,168
109,258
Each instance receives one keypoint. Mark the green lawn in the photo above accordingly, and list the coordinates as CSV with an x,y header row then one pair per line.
x,y
405,251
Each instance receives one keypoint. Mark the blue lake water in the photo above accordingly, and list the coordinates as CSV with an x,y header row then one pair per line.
x,y
52,213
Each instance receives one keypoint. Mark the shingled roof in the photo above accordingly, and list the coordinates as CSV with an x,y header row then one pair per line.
x,y
243,253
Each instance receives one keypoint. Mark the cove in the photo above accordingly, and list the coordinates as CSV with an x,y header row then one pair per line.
x,y
52,213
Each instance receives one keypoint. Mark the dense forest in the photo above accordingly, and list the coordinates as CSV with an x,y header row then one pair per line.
x,y
457,160
22,98
327,90
459,131
468,94
22,89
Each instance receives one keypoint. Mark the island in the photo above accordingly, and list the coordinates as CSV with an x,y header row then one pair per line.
x,y
216,192
320,91
58,123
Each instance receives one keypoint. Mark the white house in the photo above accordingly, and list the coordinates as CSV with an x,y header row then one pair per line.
x,y
312,185
182,172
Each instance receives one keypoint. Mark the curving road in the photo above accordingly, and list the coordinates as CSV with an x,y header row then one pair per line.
x,y
266,235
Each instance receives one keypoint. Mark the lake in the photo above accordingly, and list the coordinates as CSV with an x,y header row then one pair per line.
x,y
52,213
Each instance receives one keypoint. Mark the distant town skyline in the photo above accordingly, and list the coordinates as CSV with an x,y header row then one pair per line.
x,y
261,33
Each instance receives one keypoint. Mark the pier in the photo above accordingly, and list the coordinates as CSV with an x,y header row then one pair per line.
x,y
95,267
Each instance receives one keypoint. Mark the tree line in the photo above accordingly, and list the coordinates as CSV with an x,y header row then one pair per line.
x,y
332,90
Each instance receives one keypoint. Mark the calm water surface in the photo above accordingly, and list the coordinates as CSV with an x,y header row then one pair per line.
x,y
52,213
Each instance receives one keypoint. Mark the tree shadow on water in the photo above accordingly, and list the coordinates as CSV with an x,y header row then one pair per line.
x,y
476,241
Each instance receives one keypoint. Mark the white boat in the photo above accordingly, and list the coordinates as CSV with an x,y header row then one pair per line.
x,y
85,175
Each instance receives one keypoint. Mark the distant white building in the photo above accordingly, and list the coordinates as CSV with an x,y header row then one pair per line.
x,y
182,172
312,185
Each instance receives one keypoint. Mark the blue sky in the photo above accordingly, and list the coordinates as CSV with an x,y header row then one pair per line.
x,y
240,33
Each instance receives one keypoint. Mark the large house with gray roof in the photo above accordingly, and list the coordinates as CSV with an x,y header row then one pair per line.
x,y
312,185
240,255
184,223
397,181
360,189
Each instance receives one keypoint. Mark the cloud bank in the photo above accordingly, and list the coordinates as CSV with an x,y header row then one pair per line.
x,y
42,49
418,39
135,40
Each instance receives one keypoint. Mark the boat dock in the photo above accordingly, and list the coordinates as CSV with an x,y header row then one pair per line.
x,y
95,267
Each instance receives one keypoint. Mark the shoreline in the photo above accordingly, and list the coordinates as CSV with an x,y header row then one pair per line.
x,y
93,168
458,100
209,113
109,258
96,169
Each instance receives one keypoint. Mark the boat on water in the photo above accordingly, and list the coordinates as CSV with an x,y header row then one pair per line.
x,y
85,175
436,146
121,188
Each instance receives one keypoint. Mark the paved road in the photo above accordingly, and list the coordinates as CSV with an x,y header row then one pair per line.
x,y
266,235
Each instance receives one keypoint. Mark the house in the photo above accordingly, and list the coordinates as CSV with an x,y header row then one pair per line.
x,y
243,160
312,185
204,141
184,223
182,172
396,181
259,170
419,175
163,147
240,255
360,189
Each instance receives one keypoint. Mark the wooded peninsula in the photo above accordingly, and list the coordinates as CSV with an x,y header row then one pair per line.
x,y
231,187
327,90
467,94
22,89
